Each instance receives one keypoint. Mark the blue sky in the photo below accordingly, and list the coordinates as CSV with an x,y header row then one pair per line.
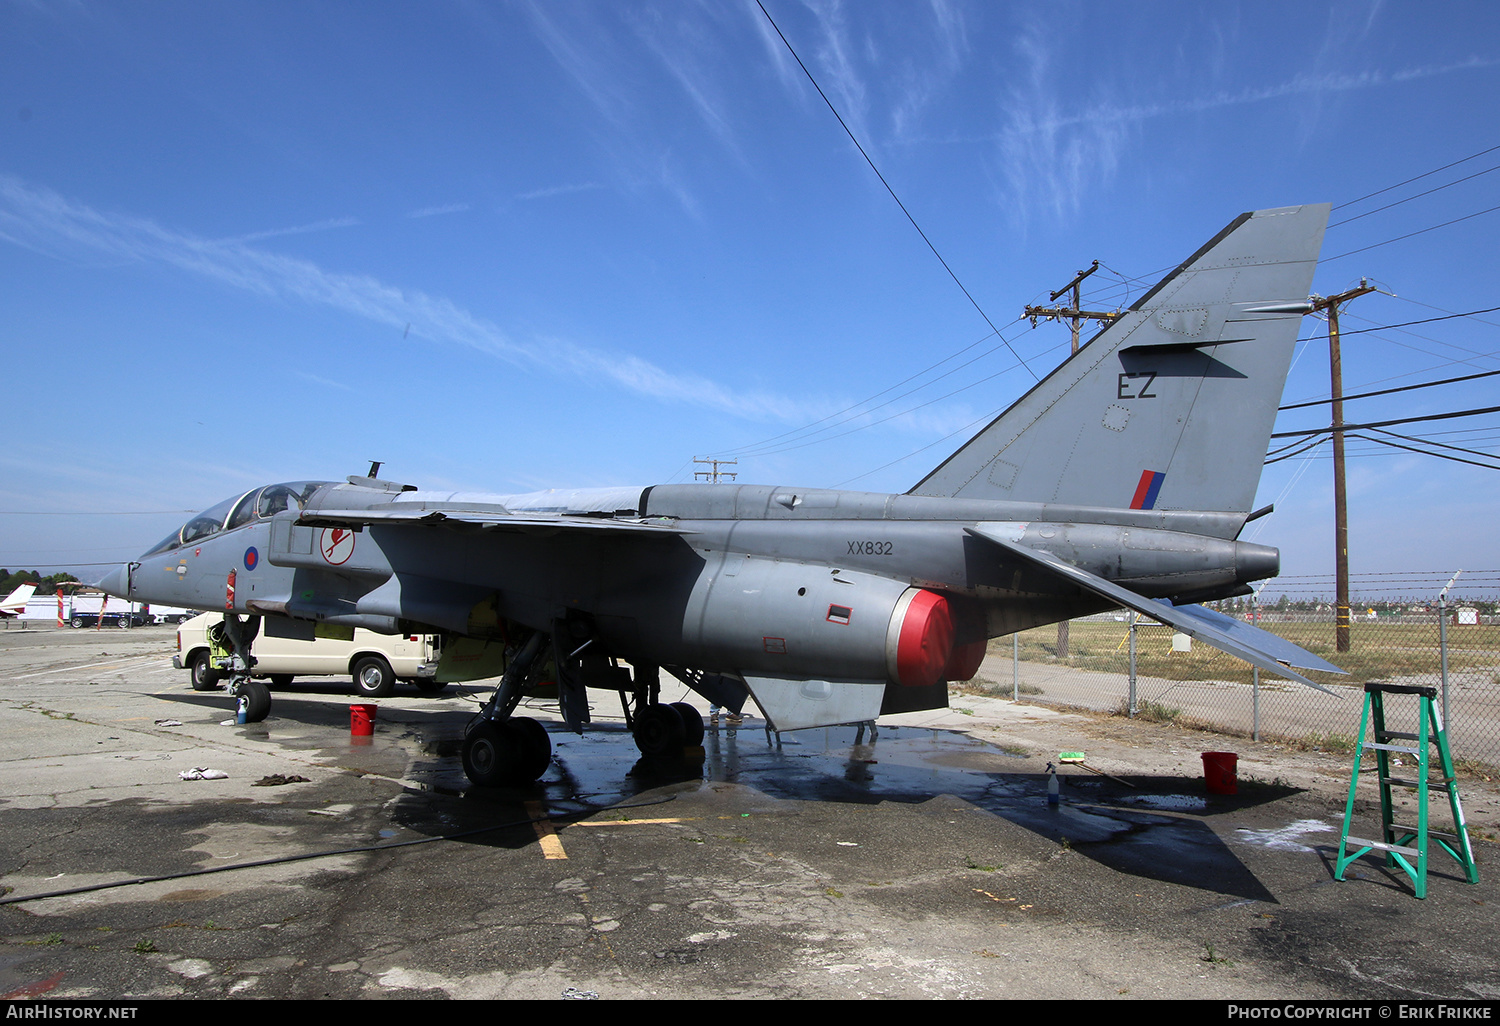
x,y
504,246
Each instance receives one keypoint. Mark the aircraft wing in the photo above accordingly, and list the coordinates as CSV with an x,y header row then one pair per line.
x,y
488,520
1255,646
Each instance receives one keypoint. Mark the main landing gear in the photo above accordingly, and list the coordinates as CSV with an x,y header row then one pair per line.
x,y
501,749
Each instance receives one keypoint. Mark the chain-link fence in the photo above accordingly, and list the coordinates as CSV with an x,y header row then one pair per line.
x,y
1193,684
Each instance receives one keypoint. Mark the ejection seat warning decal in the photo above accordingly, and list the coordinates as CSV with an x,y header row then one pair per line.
x,y
839,614
775,646
336,544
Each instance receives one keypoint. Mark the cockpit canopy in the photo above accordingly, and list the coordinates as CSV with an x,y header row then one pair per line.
x,y
256,504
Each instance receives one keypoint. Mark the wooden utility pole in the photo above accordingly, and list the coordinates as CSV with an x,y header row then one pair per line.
x,y
1340,508
1076,315
714,474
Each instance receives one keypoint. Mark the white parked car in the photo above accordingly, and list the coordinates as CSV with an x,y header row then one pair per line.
x,y
374,661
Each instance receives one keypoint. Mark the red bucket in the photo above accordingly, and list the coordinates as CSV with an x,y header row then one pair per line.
x,y
362,720
1218,772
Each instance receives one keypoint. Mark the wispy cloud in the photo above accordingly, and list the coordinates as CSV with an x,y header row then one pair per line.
x,y
1048,160
1051,156
921,83
301,229
44,221
1329,82
558,190
323,382
449,208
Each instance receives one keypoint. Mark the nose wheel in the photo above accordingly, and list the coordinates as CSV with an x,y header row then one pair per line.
x,y
257,699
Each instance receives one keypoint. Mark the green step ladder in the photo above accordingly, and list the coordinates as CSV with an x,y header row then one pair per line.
x,y
1396,839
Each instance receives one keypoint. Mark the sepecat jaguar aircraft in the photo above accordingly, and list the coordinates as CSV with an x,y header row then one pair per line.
x,y
1123,478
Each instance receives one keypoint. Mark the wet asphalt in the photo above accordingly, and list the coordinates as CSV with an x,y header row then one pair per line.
x,y
925,862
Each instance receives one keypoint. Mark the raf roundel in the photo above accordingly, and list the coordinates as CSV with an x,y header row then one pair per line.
x,y
252,557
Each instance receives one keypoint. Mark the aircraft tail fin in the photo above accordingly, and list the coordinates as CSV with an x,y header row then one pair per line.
x,y
15,603
1172,405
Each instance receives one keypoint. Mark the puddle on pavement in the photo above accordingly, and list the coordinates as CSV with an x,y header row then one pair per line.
x,y
1165,802
1158,836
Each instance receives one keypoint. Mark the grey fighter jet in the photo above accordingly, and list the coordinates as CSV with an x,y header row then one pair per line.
x,y
1123,478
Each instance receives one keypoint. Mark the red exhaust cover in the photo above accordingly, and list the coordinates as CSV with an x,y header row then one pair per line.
x,y
965,660
925,643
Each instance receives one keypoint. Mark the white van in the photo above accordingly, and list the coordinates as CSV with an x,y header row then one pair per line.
x,y
374,661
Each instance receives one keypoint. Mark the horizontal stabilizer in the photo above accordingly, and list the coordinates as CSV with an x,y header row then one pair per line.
x,y
1255,646
1277,647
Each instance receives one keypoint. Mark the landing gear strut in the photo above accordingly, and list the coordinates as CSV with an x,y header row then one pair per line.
x,y
500,749
234,636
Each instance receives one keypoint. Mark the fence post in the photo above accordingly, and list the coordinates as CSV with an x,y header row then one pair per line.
x,y
1443,643
1015,667
1131,710
1255,673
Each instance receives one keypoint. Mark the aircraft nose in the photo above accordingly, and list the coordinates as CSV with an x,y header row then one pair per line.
x,y
117,582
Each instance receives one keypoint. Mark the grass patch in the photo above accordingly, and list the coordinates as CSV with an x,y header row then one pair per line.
x,y
1154,712
1379,650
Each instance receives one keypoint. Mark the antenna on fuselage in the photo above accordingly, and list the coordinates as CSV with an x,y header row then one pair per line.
x,y
374,470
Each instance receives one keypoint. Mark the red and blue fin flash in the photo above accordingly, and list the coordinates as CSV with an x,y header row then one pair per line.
x,y
1148,489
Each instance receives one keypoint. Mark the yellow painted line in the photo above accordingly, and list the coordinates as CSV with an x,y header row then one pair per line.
x,y
631,822
547,837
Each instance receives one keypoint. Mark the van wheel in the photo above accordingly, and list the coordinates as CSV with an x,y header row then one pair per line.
x,y
204,676
124,622
373,677
77,621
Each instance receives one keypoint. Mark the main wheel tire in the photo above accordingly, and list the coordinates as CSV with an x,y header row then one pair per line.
x,y
490,755
429,685
280,680
373,677
692,724
257,700
204,676
533,745
658,732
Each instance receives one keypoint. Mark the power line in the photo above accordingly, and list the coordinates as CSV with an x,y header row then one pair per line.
x,y
1429,192
94,513
1388,423
1406,324
1409,235
887,185
1424,452
1425,174
1391,391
